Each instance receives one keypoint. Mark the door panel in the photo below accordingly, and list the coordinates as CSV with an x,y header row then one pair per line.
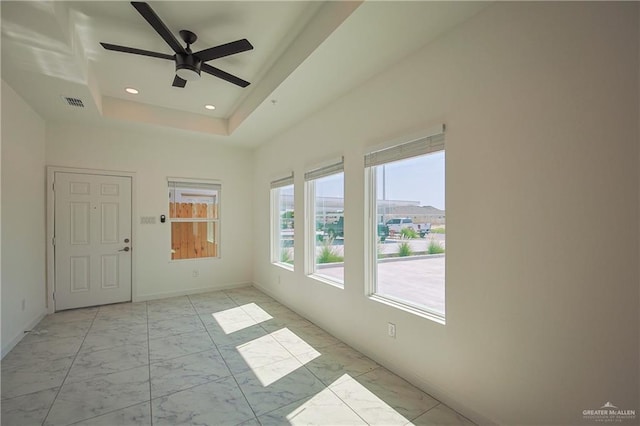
x,y
79,273
109,222
79,223
110,270
92,222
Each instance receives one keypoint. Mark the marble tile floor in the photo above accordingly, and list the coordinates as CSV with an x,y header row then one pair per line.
x,y
233,357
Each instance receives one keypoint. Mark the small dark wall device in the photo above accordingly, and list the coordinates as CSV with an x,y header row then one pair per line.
x,y
163,218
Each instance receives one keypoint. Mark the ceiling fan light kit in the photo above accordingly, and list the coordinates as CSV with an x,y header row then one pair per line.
x,y
188,67
188,64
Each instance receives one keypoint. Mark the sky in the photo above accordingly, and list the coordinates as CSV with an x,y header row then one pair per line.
x,y
415,179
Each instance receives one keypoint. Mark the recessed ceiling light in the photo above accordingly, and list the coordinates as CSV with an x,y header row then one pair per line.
x,y
211,107
131,90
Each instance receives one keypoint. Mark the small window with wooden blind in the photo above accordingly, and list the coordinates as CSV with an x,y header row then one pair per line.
x,y
194,216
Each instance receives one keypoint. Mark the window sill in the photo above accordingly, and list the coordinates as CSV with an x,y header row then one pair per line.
x,y
194,259
326,280
440,319
286,266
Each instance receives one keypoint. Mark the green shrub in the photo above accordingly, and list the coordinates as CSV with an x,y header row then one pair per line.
x,y
437,231
435,247
328,254
408,233
285,256
404,249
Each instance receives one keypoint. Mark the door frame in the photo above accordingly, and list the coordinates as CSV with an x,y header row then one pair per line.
x,y
51,268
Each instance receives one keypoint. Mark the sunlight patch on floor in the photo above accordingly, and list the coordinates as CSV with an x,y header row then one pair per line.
x,y
236,319
272,373
323,408
294,343
256,312
365,402
260,354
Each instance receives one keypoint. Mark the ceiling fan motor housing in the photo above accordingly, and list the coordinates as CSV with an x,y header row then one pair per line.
x,y
188,66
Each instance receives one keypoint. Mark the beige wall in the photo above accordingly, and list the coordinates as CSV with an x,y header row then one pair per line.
x,y
541,106
23,218
154,156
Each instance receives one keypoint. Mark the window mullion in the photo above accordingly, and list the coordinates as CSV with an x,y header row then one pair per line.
x,y
310,214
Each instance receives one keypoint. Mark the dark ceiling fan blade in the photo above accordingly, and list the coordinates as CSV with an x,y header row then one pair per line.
x,y
178,82
135,51
224,50
147,13
224,75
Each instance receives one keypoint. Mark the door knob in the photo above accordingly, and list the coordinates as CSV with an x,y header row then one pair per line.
x,y
125,249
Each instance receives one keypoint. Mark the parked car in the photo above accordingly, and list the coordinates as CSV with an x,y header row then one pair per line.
x,y
336,229
396,225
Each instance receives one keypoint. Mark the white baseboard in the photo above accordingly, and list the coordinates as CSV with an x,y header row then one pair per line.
x,y
261,288
164,295
28,326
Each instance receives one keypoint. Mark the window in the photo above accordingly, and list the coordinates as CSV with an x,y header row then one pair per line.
x,y
282,221
194,209
406,202
324,189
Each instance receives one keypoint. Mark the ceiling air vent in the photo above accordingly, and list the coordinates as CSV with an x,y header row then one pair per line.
x,y
75,102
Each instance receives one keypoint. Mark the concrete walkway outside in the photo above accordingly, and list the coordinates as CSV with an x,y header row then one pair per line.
x,y
418,280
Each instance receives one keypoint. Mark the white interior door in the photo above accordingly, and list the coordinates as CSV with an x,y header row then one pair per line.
x,y
92,240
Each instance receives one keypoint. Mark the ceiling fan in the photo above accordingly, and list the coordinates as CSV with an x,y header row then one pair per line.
x,y
188,63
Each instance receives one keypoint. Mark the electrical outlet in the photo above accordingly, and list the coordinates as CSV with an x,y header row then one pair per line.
x,y
391,330
195,273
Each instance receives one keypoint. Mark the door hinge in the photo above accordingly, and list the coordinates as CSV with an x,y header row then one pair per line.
x,y
53,241
53,186
54,295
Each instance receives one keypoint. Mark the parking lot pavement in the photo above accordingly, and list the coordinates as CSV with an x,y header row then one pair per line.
x,y
419,280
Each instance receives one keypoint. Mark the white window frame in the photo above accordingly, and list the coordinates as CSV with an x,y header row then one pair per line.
x,y
432,143
214,184
310,178
275,225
